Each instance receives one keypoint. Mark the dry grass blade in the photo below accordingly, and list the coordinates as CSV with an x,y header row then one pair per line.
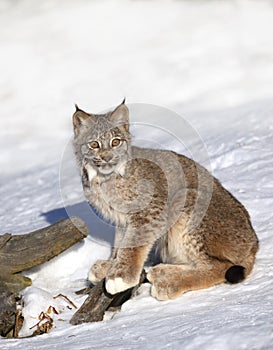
x,y
66,298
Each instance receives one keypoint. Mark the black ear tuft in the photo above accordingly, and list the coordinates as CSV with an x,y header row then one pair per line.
x,y
78,109
123,102
235,274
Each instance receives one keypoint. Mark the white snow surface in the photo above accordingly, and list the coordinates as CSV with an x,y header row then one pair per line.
x,y
210,61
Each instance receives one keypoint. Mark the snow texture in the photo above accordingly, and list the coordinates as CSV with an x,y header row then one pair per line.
x,y
209,61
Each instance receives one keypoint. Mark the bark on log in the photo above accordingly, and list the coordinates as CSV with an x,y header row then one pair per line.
x,y
99,301
23,252
7,311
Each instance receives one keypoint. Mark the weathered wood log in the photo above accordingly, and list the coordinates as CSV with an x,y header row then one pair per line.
x,y
23,252
99,301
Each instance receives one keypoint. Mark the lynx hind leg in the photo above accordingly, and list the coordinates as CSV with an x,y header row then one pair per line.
x,y
171,281
99,270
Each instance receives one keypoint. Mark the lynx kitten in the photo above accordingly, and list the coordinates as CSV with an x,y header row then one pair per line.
x,y
159,200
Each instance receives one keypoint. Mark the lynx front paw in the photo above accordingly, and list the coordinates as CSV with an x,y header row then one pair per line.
x,y
117,285
99,270
120,278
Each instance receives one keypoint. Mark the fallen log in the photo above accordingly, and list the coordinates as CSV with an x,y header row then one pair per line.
x,y
23,252
99,301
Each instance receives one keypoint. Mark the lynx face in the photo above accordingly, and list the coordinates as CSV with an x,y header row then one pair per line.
x,y
106,152
103,141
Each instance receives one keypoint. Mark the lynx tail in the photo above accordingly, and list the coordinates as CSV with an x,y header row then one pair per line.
x,y
235,274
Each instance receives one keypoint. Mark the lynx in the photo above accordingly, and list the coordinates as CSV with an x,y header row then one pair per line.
x,y
159,201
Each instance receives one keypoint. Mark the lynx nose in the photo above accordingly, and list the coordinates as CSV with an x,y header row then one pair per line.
x,y
106,157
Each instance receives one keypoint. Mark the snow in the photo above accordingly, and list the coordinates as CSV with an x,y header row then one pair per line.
x,y
209,61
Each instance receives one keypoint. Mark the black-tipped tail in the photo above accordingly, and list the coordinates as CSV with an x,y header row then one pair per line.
x,y
235,274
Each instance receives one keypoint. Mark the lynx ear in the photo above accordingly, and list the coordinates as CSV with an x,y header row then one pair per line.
x,y
120,116
80,119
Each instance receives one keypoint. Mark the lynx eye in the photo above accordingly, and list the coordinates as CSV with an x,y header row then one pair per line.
x,y
115,142
93,144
